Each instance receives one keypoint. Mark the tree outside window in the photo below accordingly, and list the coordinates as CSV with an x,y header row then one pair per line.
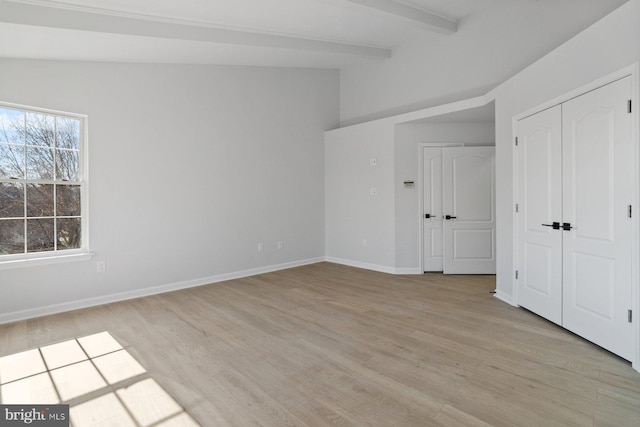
x,y
41,183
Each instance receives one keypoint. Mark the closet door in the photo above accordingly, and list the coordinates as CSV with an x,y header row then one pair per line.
x,y
539,187
432,208
469,209
598,174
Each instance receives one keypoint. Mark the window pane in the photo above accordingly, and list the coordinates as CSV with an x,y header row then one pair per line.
x,y
40,170
40,130
67,133
11,236
11,161
68,200
69,233
11,126
67,164
39,163
11,200
40,235
39,200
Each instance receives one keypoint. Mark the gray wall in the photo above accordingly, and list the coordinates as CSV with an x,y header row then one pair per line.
x,y
352,214
408,160
389,221
190,168
606,46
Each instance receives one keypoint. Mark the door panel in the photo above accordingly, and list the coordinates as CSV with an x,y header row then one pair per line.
x,y
597,300
436,242
469,174
539,190
538,270
597,186
468,195
432,205
472,244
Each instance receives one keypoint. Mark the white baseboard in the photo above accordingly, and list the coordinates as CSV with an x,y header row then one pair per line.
x,y
31,313
505,298
408,271
360,264
373,267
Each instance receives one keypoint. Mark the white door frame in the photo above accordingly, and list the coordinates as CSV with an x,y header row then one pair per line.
x,y
634,72
421,146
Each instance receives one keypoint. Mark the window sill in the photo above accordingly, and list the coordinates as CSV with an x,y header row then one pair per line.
x,y
44,260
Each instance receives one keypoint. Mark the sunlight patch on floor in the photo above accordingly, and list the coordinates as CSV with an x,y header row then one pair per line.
x,y
37,389
77,379
148,402
21,365
99,344
104,410
118,366
62,354
100,380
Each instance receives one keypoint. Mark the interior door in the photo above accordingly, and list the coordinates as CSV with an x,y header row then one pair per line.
x,y
539,188
598,174
469,209
432,208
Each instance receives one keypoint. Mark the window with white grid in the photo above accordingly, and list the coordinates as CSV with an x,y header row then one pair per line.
x,y
42,183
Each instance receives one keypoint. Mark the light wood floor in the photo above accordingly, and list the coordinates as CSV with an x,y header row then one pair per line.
x,y
332,345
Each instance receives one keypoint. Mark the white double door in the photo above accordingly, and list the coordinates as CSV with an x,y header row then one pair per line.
x,y
574,192
459,210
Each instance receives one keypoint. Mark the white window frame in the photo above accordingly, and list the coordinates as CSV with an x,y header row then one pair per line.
x,y
66,255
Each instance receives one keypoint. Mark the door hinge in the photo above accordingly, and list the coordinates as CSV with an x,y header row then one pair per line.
x,y
629,316
516,141
516,274
629,106
517,208
629,211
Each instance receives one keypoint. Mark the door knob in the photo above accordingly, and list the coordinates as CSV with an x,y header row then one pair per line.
x,y
555,225
450,217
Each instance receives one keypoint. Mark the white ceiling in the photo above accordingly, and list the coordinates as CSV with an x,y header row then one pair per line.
x,y
303,33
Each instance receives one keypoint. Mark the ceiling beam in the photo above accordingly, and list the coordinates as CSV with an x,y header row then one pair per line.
x,y
24,13
432,21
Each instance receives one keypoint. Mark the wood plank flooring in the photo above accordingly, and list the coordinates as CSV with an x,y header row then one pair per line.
x,y
332,345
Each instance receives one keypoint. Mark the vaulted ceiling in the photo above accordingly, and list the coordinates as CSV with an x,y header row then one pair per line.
x,y
305,33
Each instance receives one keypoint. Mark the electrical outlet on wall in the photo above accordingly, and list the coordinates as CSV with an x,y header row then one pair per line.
x,y
101,266
279,244
373,191
260,247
